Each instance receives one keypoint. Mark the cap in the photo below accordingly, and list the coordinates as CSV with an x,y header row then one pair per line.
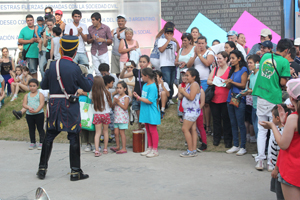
x,y
59,12
293,88
265,32
169,29
122,16
230,33
69,42
297,41
40,18
267,43
184,70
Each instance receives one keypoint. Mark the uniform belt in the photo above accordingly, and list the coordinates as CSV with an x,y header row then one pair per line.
x,y
58,96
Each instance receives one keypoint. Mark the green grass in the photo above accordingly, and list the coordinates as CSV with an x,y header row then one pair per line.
x,y
170,134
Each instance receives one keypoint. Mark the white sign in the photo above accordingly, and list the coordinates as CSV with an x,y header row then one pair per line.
x,y
142,16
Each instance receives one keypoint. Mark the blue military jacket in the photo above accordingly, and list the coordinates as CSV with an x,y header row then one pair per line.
x,y
63,115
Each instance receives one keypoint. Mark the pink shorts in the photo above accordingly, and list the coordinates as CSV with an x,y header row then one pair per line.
x,y
101,119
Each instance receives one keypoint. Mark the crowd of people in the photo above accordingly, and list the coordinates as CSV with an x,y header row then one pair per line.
x,y
248,93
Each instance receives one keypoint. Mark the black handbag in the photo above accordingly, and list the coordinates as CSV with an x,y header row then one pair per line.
x,y
210,91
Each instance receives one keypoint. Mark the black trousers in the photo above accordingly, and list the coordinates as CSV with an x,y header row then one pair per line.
x,y
36,121
74,151
220,113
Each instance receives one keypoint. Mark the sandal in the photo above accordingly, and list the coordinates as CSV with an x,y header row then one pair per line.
x,y
114,149
121,152
97,154
105,151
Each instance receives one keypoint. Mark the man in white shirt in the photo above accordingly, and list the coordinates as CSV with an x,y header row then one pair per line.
x,y
80,30
167,48
231,36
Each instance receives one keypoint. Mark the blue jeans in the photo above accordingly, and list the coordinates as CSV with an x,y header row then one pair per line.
x,y
6,77
81,58
254,121
42,62
237,120
169,73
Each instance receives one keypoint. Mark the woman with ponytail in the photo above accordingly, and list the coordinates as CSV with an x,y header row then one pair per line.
x,y
149,112
288,162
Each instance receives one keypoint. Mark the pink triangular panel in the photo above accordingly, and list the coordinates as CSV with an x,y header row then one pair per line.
x,y
251,28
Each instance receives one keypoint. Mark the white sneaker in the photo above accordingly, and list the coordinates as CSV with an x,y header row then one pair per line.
x,y
145,153
13,98
252,139
254,155
40,146
152,154
233,149
270,168
171,102
88,148
241,152
260,165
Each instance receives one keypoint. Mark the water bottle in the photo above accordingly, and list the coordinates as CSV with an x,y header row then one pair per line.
x,y
96,36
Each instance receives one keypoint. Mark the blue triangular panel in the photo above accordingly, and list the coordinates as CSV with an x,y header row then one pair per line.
x,y
208,29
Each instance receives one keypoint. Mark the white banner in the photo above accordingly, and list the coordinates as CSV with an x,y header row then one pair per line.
x,y
142,16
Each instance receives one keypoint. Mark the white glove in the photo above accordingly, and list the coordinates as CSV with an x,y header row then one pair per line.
x,y
90,69
83,69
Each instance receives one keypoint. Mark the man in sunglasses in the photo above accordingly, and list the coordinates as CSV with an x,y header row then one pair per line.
x,y
265,35
48,10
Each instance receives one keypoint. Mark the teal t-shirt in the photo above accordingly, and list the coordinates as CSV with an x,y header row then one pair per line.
x,y
26,34
267,82
150,113
253,78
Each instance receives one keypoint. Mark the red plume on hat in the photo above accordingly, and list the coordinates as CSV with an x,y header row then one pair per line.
x,y
71,32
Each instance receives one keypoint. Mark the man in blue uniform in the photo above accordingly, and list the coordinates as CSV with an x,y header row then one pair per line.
x,y
63,78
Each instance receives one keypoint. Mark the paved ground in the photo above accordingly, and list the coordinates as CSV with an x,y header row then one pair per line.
x,y
130,176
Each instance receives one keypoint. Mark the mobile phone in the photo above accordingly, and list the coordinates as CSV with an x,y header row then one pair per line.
x,y
128,64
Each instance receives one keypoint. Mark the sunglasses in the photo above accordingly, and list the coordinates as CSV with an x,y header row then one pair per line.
x,y
130,67
57,14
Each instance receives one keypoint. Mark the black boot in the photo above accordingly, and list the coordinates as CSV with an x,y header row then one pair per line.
x,y
203,147
41,173
76,172
77,175
216,143
228,145
45,155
